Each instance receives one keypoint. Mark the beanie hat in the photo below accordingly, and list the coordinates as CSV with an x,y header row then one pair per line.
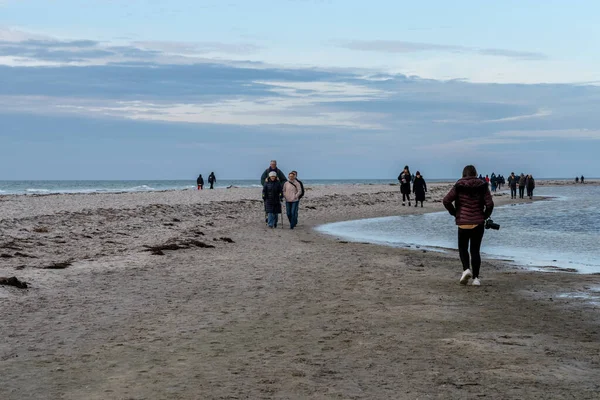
x,y
272,173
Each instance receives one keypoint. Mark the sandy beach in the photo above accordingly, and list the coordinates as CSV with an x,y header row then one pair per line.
x,y
188,295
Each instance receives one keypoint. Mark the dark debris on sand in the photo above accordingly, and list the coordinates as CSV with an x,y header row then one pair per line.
x,y
184,244
13,281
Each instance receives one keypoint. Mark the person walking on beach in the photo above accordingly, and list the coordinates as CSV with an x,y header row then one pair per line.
x,y
272,168
200,182
494,182
512,182
265,176
272,195
582,178
530,186
212,179
419,189
473,204
292,192
522,182
405,178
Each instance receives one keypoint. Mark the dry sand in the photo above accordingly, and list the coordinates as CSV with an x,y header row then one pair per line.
x,y
275,314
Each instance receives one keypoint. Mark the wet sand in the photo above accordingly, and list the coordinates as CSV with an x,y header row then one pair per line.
x,y
128,300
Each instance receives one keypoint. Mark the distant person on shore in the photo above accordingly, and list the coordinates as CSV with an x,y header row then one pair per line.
x,y
419,189
293,190
473,204
530,186
494,182
200,182
522,182
405,178
272,168
582,178
512,183
272,195
212,179
576,179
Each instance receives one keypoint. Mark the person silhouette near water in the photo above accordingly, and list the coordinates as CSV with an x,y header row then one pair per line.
x,y
405,179
212,180
470,203
200,182
582,178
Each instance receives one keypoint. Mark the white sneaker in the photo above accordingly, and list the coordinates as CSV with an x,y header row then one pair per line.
x,y
476,282
466,275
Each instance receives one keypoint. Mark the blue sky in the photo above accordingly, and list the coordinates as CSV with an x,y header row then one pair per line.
x,y
149,89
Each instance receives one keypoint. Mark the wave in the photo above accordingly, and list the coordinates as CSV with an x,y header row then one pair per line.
x,y
33,190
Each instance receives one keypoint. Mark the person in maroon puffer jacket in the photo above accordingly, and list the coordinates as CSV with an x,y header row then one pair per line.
x,y
473,204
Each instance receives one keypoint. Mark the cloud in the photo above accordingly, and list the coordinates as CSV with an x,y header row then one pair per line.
x,y
571,134
195,48
22,48
398,46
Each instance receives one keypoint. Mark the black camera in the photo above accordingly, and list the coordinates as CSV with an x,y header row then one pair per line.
x,y
489,224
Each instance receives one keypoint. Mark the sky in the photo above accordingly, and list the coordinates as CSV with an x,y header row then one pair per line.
x,y
152,89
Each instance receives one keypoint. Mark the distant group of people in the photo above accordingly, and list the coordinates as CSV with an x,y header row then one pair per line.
x,y
577,179
212,179
495,181
276,189
523,182
419,187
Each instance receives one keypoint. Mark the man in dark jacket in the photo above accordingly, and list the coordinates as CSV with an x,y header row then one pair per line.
x,y
473,204
212,179
512,182
272,195
273,168
522,183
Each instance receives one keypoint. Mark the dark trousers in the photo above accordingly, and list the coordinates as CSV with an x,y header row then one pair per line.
x,y
474,237
521,191
211,185
513,192
405,197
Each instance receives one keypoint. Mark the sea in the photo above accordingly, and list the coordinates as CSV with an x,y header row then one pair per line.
x,y
115,186
563,231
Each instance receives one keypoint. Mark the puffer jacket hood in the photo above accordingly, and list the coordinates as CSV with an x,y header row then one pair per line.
x,y
472,199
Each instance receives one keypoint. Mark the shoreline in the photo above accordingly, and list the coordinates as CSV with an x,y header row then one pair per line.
x,y
191,187
272,313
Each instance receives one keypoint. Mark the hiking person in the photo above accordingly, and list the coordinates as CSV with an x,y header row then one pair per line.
x,y
473,204
212,179
419,189
273,197
512,182
265,176
530,186
200,182
522,182
293,190
404,178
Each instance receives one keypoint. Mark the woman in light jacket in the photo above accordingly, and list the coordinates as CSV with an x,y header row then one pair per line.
x,y
292,191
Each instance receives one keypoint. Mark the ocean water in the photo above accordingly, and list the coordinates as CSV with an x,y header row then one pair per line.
x,y
53,187
562,231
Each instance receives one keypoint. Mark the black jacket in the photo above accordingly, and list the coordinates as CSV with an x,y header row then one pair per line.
x,y
272,195
200,181
404,182
212,178
419,187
